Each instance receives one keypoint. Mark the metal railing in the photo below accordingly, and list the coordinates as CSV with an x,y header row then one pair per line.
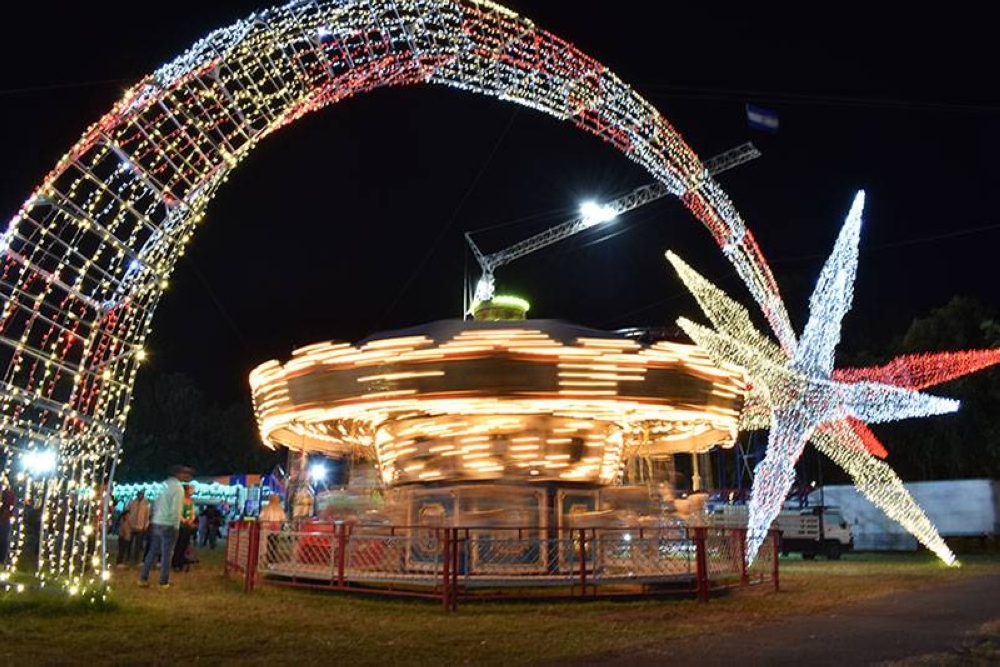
x,y
447,563
242,551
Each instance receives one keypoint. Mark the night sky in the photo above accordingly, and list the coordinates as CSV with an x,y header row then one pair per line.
x,y
351,221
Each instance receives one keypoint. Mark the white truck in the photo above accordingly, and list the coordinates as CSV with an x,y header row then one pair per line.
x,y
957,507
814,530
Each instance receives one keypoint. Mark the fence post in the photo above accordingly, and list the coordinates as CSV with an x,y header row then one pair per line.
x,y
776,541
445,567
341,553
455,558
583,561
741,535
701,564
225,563
253,554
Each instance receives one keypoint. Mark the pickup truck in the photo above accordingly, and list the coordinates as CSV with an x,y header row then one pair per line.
x,y
814,530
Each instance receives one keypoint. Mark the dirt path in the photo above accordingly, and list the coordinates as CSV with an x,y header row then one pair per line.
x,y
900,626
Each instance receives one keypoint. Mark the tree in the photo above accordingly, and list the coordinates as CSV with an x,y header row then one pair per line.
x,y
173,422
966,444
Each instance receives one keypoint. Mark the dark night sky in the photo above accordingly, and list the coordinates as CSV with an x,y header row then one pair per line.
x,y
321,233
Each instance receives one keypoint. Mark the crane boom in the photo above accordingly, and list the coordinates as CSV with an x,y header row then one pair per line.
x,y
639,197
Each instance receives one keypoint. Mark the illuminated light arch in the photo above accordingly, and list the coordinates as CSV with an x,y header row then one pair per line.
x,y
88,255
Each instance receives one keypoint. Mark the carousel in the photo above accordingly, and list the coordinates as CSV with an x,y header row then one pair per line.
x,y
504,421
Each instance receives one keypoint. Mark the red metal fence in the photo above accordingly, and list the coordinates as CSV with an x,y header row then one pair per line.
x,y
242,551
452,563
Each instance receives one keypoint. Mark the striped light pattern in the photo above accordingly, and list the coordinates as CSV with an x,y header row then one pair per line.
x,y
801,397
484,401
87,256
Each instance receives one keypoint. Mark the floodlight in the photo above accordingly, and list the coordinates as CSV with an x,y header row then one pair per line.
x,y
39,462
317,472
594,213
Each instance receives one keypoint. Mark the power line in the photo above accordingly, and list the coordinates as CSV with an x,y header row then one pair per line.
x,y
635,224
937,237
551,213
454,216
6,92
798,258
917,240
673,297
189,260
781,97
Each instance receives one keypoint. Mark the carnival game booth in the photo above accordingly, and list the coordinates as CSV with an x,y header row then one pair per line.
x,y
519,435
237,492
206,492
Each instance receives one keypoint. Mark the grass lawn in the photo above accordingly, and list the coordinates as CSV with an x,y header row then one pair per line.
x,y
206,618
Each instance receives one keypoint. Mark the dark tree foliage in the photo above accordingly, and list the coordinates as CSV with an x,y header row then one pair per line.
x,y
966,444
173,422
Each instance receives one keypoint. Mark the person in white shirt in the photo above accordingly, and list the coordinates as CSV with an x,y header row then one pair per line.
x,y
165,523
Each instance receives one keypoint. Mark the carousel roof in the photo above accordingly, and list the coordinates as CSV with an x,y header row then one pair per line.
x,y
470,382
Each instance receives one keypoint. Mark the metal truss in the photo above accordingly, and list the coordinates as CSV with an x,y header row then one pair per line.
x,y
639,197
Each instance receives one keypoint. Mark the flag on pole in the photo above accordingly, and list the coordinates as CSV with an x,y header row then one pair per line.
x,y
760,118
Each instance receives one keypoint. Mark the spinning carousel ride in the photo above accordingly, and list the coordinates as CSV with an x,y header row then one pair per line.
x,y
520,422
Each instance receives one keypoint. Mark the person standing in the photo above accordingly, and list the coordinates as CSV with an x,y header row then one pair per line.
x,y
202,537
138,512
214,517
302,506
164,525
271,518
187,526
124,539
7,502
273,511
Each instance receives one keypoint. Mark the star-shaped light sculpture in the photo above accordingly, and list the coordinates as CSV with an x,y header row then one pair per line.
x,y
800,396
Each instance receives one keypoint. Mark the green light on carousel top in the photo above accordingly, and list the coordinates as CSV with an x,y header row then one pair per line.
x,y
507,301
500,307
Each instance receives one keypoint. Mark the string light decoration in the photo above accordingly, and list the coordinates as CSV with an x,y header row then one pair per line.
x,y
203,491
800,396
84,261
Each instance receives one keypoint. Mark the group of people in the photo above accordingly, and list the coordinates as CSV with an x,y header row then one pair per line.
x,y
162,531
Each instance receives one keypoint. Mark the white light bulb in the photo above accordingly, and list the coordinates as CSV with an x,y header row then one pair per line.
x,y
317,472
594,213
38,463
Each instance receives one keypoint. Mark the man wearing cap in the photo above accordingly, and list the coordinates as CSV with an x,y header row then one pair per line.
x,y
163,525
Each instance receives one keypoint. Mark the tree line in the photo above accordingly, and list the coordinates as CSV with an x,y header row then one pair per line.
x,y
965,444
172,421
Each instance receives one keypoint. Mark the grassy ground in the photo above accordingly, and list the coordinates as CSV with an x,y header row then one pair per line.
x,y
204,618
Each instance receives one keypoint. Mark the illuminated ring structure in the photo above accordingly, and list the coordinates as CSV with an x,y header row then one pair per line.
x,y
88,255
456,401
